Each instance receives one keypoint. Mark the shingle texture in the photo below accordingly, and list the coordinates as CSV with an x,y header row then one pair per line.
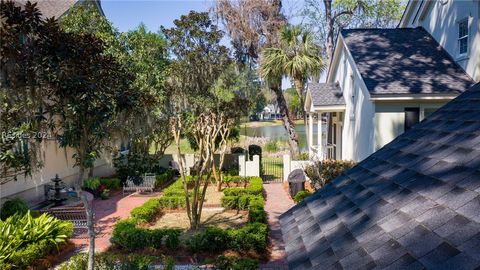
x,y
51,8
404,61
326,94
413,204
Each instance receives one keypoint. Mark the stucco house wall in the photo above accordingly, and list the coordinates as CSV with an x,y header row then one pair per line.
x,y
56,161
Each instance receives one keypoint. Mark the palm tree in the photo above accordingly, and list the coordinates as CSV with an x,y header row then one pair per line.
x,y
298,58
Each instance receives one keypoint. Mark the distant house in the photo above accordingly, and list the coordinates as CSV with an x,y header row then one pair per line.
x,y
56,160
381,82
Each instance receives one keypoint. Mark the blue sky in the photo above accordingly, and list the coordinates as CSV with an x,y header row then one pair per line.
x,y
128,14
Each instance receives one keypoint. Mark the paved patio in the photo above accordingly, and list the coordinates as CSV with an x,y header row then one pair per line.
x,y
277,202
107,212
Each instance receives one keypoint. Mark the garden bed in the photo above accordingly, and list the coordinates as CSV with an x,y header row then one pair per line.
x,y
160,226
224,219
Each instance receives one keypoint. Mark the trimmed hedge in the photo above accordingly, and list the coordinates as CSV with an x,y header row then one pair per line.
x,y
111,261
127,235
251,237
235,263
255,187
148,211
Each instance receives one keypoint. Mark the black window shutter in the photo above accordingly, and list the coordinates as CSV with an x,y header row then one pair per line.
x,y
412,117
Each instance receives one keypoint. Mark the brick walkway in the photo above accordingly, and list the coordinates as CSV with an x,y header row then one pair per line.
x,y
107,212
277,202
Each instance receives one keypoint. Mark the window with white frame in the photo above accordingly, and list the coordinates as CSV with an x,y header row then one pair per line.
x,y
463,37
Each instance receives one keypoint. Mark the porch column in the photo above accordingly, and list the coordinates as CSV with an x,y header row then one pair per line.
x,y
319,136
310,134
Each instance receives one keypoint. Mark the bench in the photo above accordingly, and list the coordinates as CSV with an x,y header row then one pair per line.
x,y
76,215
148,184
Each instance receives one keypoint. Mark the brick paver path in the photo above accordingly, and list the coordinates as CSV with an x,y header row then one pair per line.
x,y
277,202
107,212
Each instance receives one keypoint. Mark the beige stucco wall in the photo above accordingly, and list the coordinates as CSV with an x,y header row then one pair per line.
x,y
56,161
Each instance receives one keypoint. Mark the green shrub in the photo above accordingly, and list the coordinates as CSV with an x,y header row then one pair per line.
x,y
24,239
235,263
172,202
301,195
12,207
237,150
257,215
109,261
324,171
212,240
254,149
111,183
161,179
148,211
92,184
252,236
255,187
128,236
230,202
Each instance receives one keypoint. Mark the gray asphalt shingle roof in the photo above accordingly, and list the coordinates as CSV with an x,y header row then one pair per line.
x,y
326,94
51,8
413,204
404,61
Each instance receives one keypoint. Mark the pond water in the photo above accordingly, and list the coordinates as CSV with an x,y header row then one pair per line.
x,y
278,132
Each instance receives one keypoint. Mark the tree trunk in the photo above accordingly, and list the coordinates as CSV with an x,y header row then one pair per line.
x,y
90,220
299,87
330,30
287,121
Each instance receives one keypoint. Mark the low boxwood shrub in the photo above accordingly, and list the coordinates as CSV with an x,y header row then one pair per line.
x,y
252,236
110,261
255,187
172,202
12,207
235,263
128,236
230,202
301,195
212,240
148,211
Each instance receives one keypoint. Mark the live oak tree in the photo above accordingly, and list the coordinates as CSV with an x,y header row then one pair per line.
x,y
327,18
254,25
198,62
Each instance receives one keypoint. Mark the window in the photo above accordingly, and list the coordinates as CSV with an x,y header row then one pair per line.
x,y
463,37
412,117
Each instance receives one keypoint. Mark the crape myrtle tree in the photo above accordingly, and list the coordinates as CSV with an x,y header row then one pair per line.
x,y
254,25
297,57
89,90
22,90
199,61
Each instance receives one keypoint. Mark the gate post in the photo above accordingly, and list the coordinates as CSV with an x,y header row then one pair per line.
x,y
286,167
